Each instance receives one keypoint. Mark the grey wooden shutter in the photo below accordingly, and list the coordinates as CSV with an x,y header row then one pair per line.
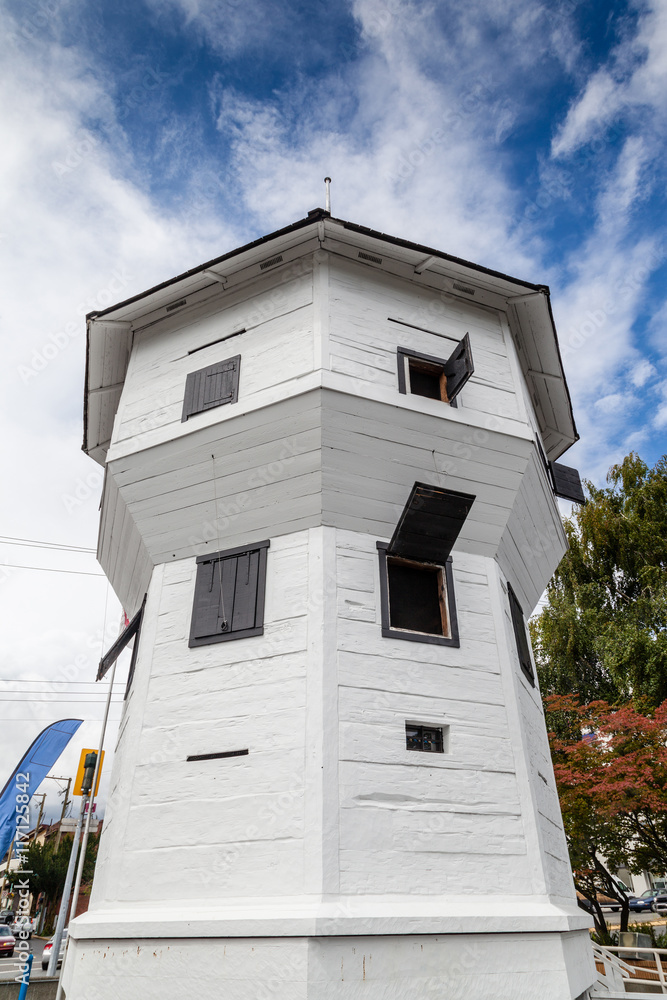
x,y
206,610
521,636
567,483
245,591
458,367
213,386
229,595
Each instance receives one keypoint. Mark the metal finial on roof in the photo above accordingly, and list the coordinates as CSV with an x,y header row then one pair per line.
x,y
327,199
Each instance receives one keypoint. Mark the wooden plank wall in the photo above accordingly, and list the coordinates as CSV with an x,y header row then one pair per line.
x,y
277,348
363,341
411,822
408,822
210,829
533,542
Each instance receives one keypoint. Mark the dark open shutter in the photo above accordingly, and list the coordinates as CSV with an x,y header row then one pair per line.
x,y
567,483
121,642
459,367
430,523
520,635
212,386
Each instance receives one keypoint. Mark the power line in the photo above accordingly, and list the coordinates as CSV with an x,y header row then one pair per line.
x,y
33,543
67,701
42,680
48,569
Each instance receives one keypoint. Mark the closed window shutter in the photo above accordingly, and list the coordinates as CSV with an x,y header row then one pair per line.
x,y
229,595
458,367
521,636
567,483
213,386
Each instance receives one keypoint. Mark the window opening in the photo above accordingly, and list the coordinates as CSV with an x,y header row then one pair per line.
x,y
427,739
427,380
435,378
417,597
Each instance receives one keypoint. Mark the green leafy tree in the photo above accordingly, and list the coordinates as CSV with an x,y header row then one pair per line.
x,y
603,631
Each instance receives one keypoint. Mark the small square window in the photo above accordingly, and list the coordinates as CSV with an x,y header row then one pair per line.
x,y
426,739
229,595
213,386
417,600
435,378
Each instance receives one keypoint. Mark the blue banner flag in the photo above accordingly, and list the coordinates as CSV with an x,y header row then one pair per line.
x,y
26,779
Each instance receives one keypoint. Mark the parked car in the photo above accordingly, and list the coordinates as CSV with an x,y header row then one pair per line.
x,y
7,917
605,901
7,941
23,923
48,948
660,902
643,902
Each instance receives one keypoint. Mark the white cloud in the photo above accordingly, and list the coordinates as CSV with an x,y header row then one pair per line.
x,y
641,372
77,232
597,105
635,78
615,403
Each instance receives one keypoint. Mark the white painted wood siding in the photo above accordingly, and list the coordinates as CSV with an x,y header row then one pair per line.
x,y
414,822
363,340
276,351
216,828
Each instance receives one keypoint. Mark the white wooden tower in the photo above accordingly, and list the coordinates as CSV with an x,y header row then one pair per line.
x,y
329,467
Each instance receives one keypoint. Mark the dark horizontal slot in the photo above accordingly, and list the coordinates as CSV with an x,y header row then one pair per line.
x,y
463,288
369,256
217,756
423,328
175,305
228,336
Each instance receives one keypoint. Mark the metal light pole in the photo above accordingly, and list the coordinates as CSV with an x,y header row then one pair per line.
x,y
86,785
93,786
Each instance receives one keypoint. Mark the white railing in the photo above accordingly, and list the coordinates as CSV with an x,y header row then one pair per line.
x,y
628,970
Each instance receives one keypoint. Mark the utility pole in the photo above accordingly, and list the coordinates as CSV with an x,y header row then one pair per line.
x,y
62,814
41,812
6,872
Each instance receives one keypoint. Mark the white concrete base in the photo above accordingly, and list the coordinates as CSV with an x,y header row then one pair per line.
x,y
539,966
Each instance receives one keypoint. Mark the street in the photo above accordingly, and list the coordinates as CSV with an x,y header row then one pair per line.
x,y
10,968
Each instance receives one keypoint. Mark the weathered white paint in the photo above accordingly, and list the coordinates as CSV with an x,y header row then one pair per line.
x,y
393,967
330,839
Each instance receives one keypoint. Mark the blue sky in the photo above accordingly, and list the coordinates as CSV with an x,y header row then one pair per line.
x,y
139,139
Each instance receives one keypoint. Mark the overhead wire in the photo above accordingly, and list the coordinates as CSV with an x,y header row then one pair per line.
x,y
34,543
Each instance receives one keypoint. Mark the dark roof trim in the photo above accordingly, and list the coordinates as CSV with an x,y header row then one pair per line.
x,y
317,215
420,248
